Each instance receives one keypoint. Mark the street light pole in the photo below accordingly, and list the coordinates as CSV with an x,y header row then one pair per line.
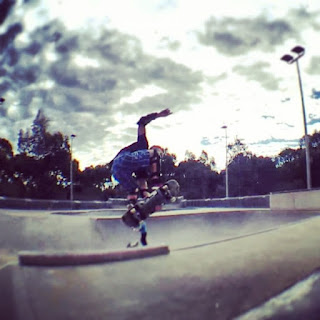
x,y
299,51
71,169
227,177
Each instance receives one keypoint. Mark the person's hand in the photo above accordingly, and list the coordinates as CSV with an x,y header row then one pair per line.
x,y
164,113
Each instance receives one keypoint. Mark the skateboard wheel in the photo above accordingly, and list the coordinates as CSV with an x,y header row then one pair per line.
x,y
173,199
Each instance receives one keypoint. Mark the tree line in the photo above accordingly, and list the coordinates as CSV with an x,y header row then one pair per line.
x,y
41,169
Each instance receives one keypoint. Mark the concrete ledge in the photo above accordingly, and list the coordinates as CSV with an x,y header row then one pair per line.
x,y
236,202
299,200
35,258
37,204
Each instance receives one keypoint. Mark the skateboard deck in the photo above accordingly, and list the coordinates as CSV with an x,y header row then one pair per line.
x,y
142,209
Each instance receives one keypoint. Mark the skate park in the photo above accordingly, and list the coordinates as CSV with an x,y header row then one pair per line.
x,y
211,259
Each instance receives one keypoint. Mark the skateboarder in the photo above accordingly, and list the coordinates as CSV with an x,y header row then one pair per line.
x,y
140,161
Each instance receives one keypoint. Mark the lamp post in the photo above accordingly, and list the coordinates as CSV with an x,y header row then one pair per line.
x,y
71,169
227,177
299,52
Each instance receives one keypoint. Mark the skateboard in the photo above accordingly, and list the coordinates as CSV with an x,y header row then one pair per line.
x,y
142,209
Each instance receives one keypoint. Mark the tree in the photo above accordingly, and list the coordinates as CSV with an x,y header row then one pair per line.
x,y
291,167
168,165
40,143
93,182
50,152
249,174
189,156
237,148
6,155
204,158
9,184
196,179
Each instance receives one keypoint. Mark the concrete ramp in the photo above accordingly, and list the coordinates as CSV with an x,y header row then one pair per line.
x,y
222,264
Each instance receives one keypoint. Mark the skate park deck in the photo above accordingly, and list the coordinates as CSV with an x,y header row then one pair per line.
x,y
222,264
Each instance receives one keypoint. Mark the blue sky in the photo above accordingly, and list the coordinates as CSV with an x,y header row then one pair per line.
x,y
96,66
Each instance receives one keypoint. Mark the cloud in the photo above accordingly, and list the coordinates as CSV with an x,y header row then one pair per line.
x,y
205,141
167,43
5,8
237,36
95,81
167,4
233,37
50,69
314,119
8,37
314,67
315,94
290,142
257,37
285,124
256,72
265,116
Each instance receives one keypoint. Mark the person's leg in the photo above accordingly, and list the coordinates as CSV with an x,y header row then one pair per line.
x,y
143,232
132,198
155,168
143,187
123,175
141,167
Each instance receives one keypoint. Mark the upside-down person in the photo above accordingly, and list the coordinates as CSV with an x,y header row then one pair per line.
x,y
137,164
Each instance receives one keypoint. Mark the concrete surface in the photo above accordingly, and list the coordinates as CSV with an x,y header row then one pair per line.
x,y
300,301
299,200
222,264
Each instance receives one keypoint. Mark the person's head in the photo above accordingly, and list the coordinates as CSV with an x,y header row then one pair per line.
x,y
158,149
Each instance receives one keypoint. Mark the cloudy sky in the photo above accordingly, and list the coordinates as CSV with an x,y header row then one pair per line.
x,y
96,66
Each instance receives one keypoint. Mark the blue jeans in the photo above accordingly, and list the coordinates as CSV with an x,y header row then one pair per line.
x,y
126,163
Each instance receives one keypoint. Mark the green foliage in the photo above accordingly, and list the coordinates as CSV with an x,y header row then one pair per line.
x,y
42,165
8,185
94,183
196,179
168,165
41,143
251,175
